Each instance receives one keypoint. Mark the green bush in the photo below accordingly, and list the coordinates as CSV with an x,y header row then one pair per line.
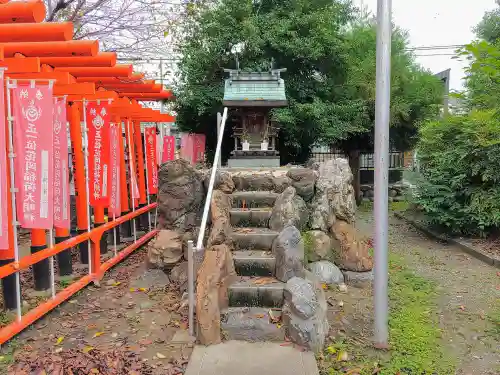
x,y
460,163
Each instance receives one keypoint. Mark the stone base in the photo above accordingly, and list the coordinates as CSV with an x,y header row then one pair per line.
x,y
252,162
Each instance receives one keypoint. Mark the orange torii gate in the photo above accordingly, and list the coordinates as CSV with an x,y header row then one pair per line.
x,y
44,52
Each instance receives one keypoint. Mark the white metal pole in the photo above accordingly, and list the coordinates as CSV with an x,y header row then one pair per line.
x,y
381,213
114,237
87,189
51,262
13,191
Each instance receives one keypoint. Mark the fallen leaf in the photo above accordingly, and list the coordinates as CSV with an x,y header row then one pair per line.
x,y
343,356
132,289
142,289
263,280
462,307
259,316
94,371
161,356
331,350
97,334
117,283
87,349
114,335
145,342
59,340
324,286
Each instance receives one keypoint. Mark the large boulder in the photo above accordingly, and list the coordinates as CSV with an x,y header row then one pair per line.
x,y
220,207
304,181
165,250
288,248
281,181
304,313
351,253
215,275
289,210
334,196
223,181
180,196
327,272
318,246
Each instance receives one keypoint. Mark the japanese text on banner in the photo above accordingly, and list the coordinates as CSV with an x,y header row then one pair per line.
x,y
150,150
61,166
168,148
33,135
4,221
98,119
115,204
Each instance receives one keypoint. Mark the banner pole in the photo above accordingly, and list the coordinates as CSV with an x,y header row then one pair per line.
x,y
147,179
51,265
87,189
131,155
13,191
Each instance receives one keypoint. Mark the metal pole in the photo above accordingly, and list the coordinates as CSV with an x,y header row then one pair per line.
x,y
219,121
382,113
190,288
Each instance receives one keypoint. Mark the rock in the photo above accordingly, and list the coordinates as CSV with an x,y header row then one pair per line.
x,y
281,183
180,196
289,209
179,276
312,164
351,254
301,297
334,196
303,180
311,332
393,193
359,279
220,232
215,275
223,181
288,248
318,246
151,279
165,250
253,181
327,272
368,193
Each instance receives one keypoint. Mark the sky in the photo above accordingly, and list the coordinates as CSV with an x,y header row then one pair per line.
x,y
437,23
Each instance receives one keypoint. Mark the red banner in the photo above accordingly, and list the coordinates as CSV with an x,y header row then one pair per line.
x,y
98,119
199,148
114,203
4,218
150,152
61,166
187,147
131,162
33,135
168,148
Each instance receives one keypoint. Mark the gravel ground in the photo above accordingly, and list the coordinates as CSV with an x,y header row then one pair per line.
x,y
468,291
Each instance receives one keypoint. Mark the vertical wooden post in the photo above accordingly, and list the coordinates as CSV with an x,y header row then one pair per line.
x,y
79,176
126,227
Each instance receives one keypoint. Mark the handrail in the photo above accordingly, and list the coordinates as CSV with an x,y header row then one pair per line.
x,y
203,226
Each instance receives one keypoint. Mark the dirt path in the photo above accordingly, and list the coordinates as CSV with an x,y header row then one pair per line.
x,y
133,324
468,291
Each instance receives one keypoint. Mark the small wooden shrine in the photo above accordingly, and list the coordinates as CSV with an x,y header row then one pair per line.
x,y
250,96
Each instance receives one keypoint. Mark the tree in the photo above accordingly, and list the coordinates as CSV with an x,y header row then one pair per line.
x,y
330,78
489,27
132,27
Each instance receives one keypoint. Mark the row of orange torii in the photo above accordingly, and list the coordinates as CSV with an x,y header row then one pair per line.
x,y
51,85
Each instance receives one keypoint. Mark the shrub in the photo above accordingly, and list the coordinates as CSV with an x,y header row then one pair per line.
x,y
460,160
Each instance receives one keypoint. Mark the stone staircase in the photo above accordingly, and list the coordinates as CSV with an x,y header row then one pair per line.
x,y
256,291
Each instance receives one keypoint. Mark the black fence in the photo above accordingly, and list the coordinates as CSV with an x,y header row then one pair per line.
x,y
366,164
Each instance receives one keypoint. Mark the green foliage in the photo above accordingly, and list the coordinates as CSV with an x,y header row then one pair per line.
x,y
482,75
489,27
460,156
330,78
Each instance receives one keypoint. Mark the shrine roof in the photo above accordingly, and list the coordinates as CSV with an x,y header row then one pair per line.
x,y
255,89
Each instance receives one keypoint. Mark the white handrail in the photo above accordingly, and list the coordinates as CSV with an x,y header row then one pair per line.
x,y
203,226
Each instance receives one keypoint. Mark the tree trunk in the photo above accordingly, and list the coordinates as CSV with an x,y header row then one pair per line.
x,y
354,157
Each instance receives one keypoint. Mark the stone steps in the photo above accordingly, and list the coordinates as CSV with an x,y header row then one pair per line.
x,y
250,324
254,217
256,292
254,263
253,238
254,199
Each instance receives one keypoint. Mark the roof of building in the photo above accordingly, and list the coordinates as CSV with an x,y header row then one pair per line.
x,y
250,89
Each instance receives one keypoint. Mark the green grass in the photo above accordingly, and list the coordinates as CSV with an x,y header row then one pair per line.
x,y
393,206
494,319
416,347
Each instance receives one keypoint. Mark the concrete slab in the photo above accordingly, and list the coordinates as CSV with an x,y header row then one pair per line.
x,y
246,358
